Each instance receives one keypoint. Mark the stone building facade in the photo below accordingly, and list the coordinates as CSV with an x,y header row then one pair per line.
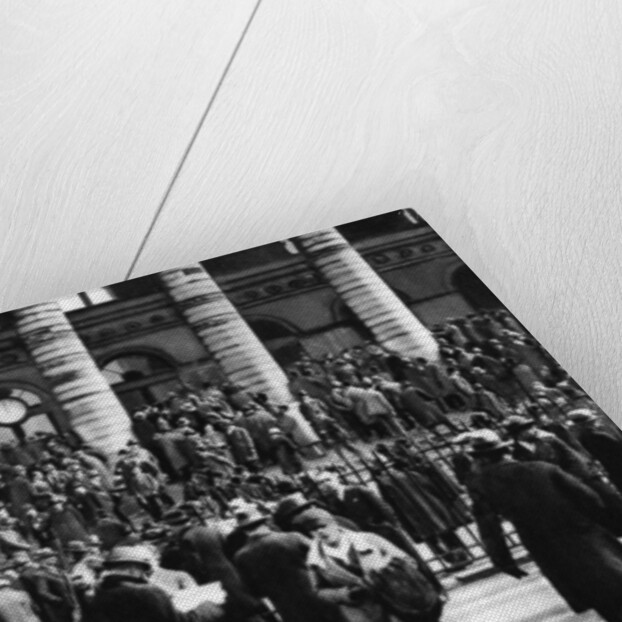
x,y
386,278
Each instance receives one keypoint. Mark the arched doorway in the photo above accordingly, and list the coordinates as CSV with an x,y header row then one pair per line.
x,y
140,378
471,288
23,413
280,339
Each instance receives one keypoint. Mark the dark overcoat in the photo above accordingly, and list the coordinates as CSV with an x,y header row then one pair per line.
x,y
362,506
241,445
259,425
19,493
560,522
606,446
125,599
424,411
274,566
49,593
205,546
417,502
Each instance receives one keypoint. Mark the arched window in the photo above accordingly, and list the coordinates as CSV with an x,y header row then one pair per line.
x,y
140,377
22,414
281,340
130,367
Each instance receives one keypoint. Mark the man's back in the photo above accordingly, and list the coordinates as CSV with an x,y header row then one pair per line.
x,y
274,566
207,543
539,496
120,599
273,556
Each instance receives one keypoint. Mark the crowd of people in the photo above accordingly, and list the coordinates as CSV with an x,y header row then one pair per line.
x,y
328,508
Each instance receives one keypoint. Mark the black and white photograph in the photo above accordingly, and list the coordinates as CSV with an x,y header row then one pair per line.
x,y
344,426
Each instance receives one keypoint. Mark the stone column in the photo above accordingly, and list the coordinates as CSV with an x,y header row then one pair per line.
x,y
367,295
224,333
93,409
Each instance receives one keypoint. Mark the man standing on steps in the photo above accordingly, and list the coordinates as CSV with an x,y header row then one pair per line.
x,y
560,521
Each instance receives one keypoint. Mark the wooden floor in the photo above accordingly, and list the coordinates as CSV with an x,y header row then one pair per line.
x,y
135,136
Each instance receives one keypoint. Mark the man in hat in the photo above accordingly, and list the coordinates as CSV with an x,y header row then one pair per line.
x,y
285,452
373,409
242,447
19,490
296,513
560,521
602,439
258,423
532,443
199,551
300,431
273,565
359,504
420,408
48,588
15,604
171,581
288,508
126,594
85,562
10,539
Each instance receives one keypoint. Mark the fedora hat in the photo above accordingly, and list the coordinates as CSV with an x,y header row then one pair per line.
x,y
582,415
487,442
136,555
463,438
77,546
312,519
45,553
249,517
289,507
155,534
176,517
515,424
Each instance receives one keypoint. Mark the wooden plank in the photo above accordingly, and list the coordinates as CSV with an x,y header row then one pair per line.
x,y
98,101
499,120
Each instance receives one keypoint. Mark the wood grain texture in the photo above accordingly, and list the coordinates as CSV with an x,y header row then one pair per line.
x,y
98,101
499,120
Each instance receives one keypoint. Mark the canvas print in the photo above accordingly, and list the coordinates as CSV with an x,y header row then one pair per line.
x,y
346,426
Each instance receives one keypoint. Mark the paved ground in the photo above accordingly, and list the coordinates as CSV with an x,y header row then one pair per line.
x,y
504,599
